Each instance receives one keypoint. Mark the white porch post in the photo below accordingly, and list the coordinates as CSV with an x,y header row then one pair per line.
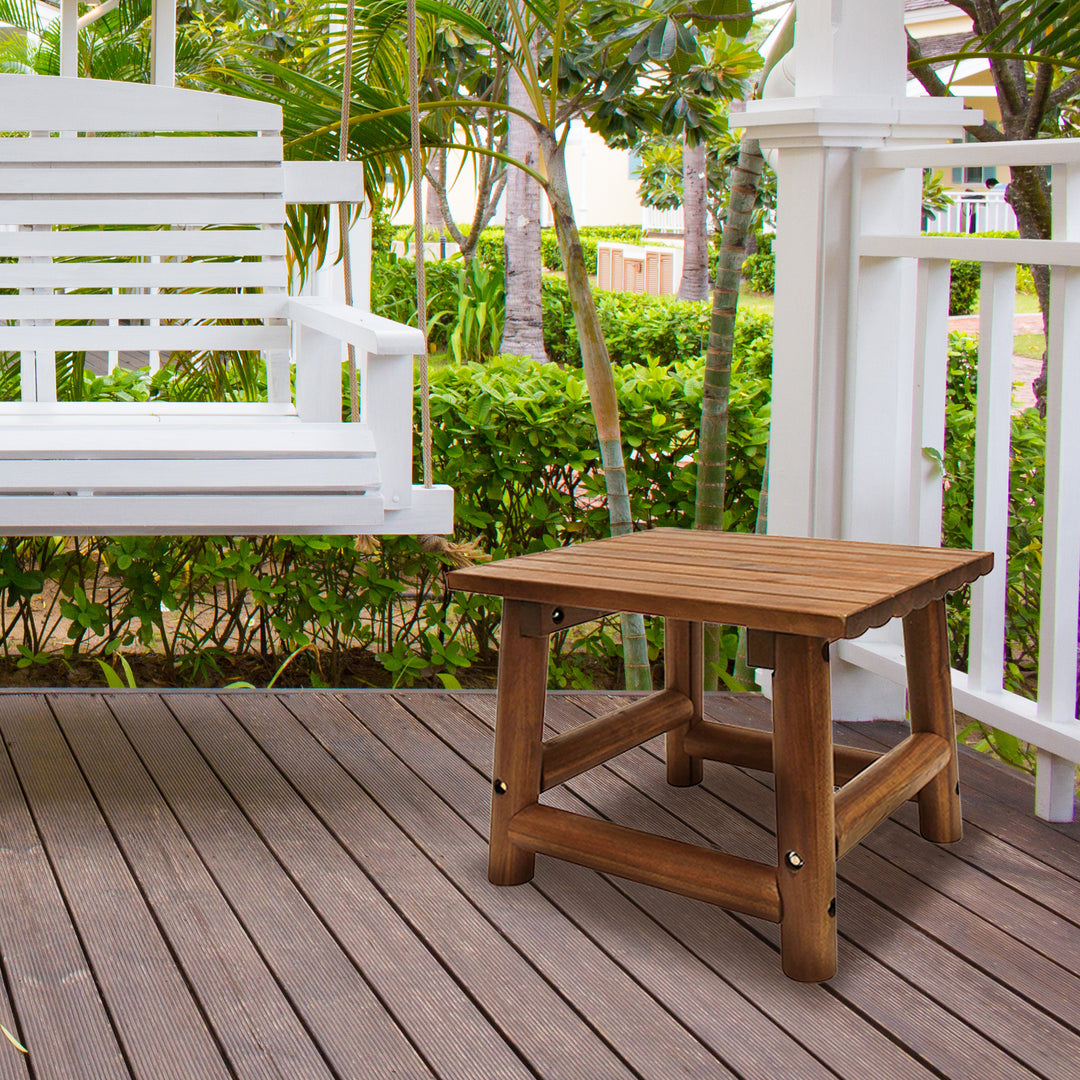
x,y
69,38
163,42
839,450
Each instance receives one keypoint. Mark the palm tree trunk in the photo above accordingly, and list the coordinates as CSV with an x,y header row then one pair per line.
x,y
712,447
695,272
601,384
523,330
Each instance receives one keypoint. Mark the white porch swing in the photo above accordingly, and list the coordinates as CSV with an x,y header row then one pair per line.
x,y
185,182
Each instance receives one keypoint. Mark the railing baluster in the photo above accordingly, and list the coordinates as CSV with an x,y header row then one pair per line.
x,y
1055,776
928,418
997,307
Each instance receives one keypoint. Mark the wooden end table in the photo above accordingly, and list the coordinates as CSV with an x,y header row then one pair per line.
x,y
795,596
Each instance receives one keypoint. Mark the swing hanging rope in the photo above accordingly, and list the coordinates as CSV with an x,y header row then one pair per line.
x,y
416,166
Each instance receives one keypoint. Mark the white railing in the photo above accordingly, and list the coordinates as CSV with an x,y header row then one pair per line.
x,y
661,221
973,212
1049,723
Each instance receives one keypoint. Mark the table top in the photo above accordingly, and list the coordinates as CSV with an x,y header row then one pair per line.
x,y
821,588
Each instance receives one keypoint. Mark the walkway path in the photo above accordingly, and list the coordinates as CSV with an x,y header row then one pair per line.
x,y
1025,369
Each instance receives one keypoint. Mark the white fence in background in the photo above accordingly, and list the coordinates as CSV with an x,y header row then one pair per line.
x,y
974,212
1050,723
661,221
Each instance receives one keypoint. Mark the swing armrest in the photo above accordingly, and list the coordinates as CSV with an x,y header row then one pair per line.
x,y
372,333
385,365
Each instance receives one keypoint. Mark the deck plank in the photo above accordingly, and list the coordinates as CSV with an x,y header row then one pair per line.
x,y
876,987
133,967
520,1003
636,1026
44,963
259,1032
293,885
447,1029
328,991
737,958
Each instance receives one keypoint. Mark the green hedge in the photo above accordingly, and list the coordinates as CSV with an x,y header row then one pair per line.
x,y
489,248
964,280
759,271
649,329
515,439
638,329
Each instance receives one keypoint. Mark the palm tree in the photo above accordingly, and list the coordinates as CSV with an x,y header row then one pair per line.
x,y
523,331
695,273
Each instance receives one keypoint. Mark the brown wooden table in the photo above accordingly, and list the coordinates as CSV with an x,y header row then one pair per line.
x,y
795,596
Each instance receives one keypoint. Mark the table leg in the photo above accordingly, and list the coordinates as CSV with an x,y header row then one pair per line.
x,y
926,645
683,672
519,733
805,816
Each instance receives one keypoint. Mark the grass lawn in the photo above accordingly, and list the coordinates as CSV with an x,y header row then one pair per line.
x,y
755,301
1029,345
1027,304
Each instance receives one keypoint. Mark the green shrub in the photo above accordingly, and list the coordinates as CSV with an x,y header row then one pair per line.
x,y
964,279
489,248
759,272
517,441
642,329
1026,471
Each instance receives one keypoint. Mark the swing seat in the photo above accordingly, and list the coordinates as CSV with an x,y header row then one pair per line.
x,y
150,220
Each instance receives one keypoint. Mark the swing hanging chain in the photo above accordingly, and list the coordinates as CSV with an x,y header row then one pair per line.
x,y
416,166
343,208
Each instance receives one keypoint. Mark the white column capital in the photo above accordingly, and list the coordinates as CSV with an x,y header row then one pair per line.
x,y
854,122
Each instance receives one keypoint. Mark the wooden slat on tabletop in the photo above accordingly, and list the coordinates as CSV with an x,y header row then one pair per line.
x,y
706,982
1018,967
61,1018
873,564
649,572
255,1025
629,1019
447,1029
520,1005
348,1022
748,573
134,969
929,1031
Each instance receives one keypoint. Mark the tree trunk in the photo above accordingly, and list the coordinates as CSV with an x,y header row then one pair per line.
x,y
434,221
712,447
523,330
695,273
601,384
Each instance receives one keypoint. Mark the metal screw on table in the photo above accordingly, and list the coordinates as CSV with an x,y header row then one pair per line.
x,y
557,615
500,787
793,860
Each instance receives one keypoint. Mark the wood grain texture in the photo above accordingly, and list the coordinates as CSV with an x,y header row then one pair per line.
x,y
868,799
593,743
952,958
802,763
687,869
684,673
750,748
822,588
926,646
519,732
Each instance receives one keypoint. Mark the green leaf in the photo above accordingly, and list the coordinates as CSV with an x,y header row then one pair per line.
x,y
112,680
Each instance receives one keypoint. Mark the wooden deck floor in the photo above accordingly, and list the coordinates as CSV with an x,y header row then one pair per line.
x,y
199,886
